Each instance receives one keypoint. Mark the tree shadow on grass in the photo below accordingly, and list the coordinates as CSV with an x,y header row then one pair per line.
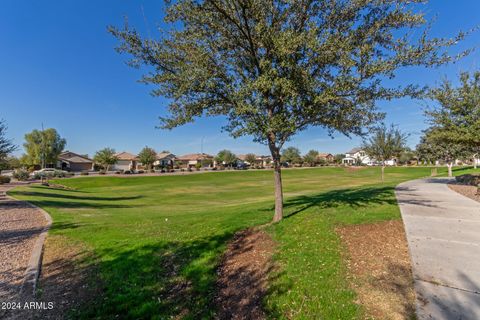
x,y
159,280
353,197
73,197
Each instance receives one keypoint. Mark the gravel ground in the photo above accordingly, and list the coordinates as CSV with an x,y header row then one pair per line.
x,y
467,191
20,225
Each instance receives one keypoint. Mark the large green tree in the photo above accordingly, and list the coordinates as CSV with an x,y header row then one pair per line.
x,y
385,143
311,157
251,158
6,145
105,157
42,147
291,155
273,68
456,115
226,157
147,157
434,147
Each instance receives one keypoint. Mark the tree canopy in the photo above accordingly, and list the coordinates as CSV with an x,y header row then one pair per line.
x,y
433,147
6,145
456,117
226,157
250,158
385,143
311,158
273,68
105,157
291,155
147,157
43,147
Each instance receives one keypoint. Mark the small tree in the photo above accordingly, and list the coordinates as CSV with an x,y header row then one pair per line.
x,y
147,157
226,157
434,146
105,157
6,145
274,68
311,158
338,158
385,144
291,155
406,156
250,158
43,147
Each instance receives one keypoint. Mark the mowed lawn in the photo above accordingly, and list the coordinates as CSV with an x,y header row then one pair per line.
x,y
157,240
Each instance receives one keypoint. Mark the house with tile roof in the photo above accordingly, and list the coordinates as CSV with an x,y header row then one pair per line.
x,y
190,160
74,162
126,161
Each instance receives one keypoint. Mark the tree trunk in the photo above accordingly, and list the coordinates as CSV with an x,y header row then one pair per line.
x,y
383,172
450,165
475,161
277,174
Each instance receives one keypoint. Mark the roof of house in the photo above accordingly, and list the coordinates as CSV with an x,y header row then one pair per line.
x,y
74,157
195,156
324,155
126,156
163,155
355,150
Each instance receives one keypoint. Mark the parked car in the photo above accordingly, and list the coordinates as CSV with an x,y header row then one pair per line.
x,y
44,170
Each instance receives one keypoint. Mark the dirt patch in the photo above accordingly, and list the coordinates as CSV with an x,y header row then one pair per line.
x,y
379,269
66,278
467,191
243,275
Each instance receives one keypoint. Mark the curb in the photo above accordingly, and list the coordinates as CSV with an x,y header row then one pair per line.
x,y
32,273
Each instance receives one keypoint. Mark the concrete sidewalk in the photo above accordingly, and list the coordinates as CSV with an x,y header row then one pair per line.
x,y
443,232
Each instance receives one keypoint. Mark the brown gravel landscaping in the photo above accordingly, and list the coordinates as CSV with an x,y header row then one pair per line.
x,y
242,276
379,269
467,191
20,225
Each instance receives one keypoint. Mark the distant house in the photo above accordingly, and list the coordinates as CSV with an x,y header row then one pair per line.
x,y
357,156
74,162
328,157
191,160
165,159
126,161
259,160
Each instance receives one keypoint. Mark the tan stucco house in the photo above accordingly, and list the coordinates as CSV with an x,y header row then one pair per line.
x,y
73,162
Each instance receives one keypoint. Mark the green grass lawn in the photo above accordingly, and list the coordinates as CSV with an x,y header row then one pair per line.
x,y
153,235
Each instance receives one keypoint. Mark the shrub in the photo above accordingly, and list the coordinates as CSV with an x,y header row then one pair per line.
x,y
140,171
59,174
172,170
214,168
152,171
182,170
4,179
469,179
84,173
102,172
127,172
162,171
189,170
21,175
118,172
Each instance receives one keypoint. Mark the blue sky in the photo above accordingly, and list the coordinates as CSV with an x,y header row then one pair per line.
x,y
58,67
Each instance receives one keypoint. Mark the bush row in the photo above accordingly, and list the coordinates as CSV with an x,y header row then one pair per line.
x,y
469,179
